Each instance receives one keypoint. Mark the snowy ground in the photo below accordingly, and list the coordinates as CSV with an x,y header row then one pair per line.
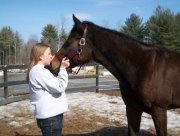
x,y
106,106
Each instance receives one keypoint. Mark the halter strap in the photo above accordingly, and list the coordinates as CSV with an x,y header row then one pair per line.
x,y
85,31
70,56
78,52
58,57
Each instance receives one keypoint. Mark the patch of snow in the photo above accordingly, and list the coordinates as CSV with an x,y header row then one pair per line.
x,y
110,107
105,73
17,70
1,73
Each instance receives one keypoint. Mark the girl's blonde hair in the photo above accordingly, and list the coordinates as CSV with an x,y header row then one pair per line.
x,y
36,52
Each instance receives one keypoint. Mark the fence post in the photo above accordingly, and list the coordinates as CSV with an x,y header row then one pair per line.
x,y
97,78
5,81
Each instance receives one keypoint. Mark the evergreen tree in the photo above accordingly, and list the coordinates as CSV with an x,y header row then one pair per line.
x,y
177,32
160,27
6,45
134,27
50,37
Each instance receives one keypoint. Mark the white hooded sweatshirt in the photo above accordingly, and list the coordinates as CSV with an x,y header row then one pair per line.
x,y
47,92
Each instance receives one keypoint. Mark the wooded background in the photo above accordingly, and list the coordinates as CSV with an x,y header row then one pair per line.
x,y
162,28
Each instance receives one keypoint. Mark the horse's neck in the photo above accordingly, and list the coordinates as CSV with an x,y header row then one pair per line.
x,y
115,53
111,48
99,57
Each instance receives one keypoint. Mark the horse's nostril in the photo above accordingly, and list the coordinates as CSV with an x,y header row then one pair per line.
x,y
79,50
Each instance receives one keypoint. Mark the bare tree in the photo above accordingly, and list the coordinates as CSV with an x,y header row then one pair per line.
x,y
26,49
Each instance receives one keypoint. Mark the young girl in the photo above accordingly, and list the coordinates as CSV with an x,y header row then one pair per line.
x,y
47,92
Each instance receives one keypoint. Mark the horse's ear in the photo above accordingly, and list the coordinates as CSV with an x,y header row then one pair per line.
x,y
77,22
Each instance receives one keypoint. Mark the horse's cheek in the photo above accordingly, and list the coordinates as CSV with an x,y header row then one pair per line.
x,y
55,64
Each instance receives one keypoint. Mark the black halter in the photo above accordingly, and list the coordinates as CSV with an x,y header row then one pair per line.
x,y
82,41
81,44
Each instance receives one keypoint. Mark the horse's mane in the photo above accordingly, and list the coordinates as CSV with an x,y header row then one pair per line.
x,y
120,34
152,46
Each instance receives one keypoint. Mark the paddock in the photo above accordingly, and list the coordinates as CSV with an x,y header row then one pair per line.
x,y
89,114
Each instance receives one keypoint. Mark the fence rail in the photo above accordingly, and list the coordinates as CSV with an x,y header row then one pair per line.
x,y
9,99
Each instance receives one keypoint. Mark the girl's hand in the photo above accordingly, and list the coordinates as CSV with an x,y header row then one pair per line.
x,y
65,63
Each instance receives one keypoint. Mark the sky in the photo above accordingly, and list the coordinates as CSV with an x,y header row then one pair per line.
x,y
29,17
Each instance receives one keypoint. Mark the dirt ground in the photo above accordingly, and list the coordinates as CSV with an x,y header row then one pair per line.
x,y
77,125
80,123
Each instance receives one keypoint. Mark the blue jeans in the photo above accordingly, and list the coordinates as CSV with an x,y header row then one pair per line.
x,y
51,126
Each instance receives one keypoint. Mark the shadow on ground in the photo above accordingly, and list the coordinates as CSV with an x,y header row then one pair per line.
x,y
109,131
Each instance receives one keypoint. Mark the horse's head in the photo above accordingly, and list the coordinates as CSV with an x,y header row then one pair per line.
x,y
77,47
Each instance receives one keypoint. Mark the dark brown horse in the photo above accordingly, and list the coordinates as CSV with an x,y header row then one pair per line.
x,y
149,75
